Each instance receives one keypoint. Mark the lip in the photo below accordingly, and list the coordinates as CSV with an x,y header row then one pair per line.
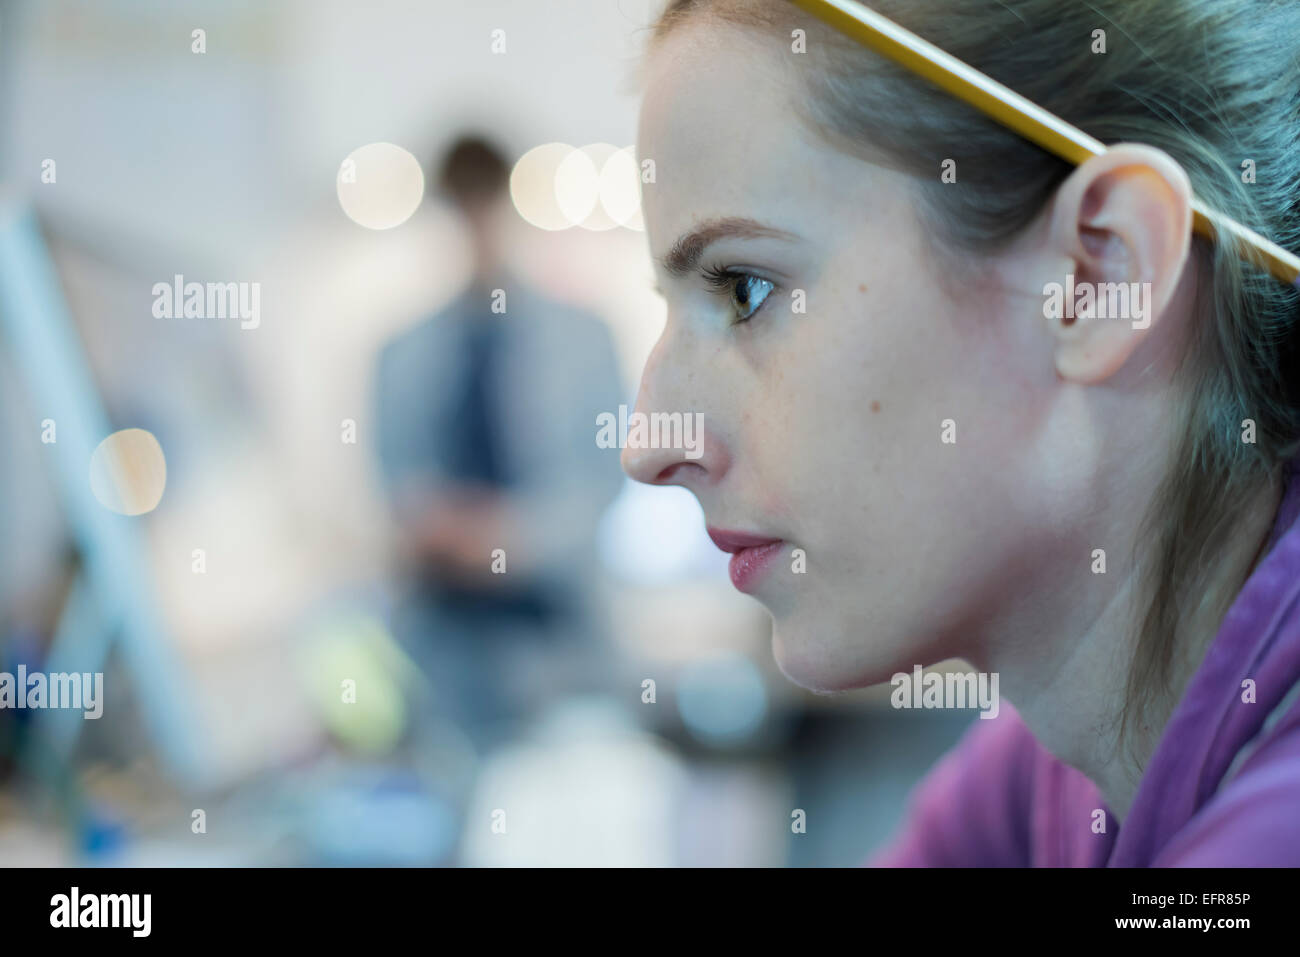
x,y
751,555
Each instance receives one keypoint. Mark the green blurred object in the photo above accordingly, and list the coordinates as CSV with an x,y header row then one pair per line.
x,y
360,682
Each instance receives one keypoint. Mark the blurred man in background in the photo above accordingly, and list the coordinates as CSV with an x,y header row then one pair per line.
x,y
487,425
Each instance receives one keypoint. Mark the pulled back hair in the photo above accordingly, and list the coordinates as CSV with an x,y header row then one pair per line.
x,y
1213,83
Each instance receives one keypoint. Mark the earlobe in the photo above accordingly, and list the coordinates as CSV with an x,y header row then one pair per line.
x,y
1121,224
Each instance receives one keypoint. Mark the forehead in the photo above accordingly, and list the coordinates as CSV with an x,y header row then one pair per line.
x,y
716,119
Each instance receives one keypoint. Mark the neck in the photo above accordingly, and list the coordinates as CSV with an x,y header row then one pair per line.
x,y
1071,691
488,274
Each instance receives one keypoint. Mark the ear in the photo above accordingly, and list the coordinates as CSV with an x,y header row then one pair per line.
x,y
1123,217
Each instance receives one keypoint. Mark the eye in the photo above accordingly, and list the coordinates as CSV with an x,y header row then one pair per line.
x,y
747,291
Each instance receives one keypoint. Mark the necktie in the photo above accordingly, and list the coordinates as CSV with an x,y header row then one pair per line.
x,y
474,455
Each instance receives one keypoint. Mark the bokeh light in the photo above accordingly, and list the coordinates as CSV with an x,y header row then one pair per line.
x,y
533,186
556,186
722,699
577,186
620,189
380,185
598,218
128,472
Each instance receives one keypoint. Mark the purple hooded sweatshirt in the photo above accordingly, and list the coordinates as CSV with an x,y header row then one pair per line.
x,y
1221,790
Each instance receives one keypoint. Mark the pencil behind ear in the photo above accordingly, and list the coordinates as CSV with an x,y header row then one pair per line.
x,y
1123,217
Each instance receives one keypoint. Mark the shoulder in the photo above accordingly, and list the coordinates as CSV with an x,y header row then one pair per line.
x,y
973,808
1254,819
1003,743
564,336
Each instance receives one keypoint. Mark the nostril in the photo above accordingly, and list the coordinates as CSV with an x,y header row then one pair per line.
x,y
670,473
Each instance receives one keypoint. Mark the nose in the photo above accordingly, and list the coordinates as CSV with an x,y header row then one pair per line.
x,y
662,466
670,438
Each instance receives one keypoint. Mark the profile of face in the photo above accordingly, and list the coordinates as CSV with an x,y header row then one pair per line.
x,y
918,439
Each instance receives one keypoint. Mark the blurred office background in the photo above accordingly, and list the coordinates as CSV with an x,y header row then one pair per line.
x,y
261,568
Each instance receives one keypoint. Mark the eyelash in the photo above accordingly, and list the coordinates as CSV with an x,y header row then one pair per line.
x,y
726,280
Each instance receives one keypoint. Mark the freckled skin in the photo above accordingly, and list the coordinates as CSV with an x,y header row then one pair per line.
x,y
907,539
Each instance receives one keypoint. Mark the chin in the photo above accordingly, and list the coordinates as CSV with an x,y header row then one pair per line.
x,y
822,666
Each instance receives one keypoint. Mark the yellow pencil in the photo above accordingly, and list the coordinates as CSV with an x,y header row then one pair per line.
x,y
1017,113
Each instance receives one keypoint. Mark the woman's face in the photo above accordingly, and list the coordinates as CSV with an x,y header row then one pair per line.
x,y
824,411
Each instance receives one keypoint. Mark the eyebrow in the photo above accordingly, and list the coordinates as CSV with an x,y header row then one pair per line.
x,y
689,247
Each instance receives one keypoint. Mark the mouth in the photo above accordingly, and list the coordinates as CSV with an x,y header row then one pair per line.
x,y
751,555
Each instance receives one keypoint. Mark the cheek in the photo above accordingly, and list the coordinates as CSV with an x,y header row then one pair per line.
x,y
844,402
859,443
